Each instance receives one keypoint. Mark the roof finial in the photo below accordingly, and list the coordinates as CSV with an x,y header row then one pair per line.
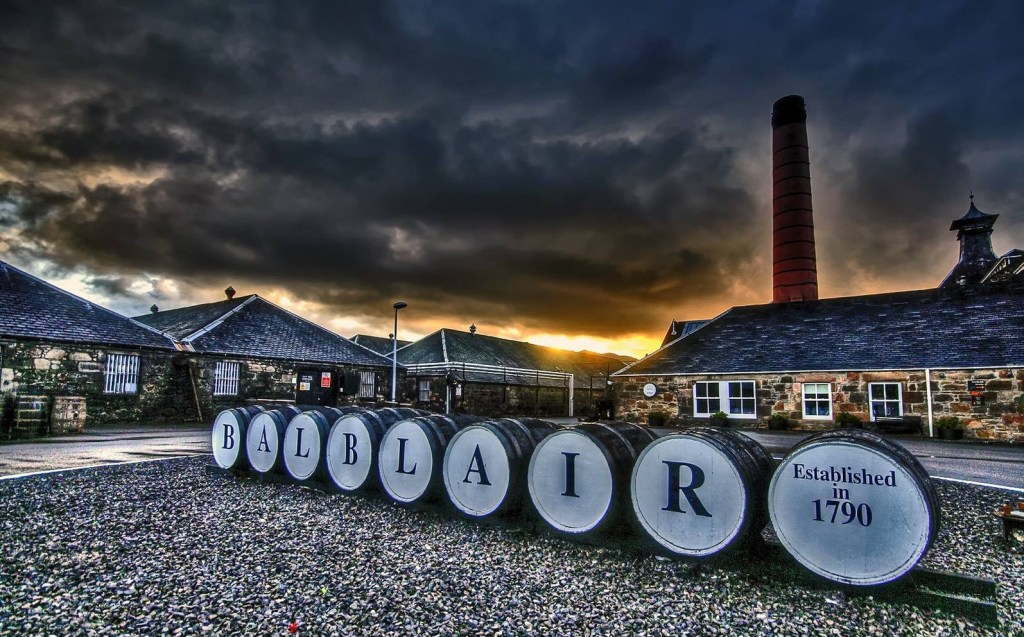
x,y
229,292
472,328
972,196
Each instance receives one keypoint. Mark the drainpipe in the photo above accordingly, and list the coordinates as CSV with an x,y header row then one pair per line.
x,y
928,385
572,387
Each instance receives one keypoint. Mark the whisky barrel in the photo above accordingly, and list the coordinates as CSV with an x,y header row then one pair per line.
x,y
701,492
485,465
354,442
305,442
264,436
578,478
411,455
228,436
854,507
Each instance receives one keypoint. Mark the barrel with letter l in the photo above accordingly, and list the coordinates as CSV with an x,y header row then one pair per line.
x,y
264,438
228,436
411,456
701,492
578,478
485,465
305,441
354,442
854,507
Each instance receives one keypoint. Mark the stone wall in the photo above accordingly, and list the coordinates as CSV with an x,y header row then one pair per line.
x,y
66,369
499,399
998,414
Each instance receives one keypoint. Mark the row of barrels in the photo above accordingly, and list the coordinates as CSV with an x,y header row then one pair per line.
x,y
849,505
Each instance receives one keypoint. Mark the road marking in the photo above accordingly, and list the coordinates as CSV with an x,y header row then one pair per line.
x,y
980,484
96,466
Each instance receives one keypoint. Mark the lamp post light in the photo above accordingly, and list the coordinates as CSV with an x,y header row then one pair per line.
x,y
394,349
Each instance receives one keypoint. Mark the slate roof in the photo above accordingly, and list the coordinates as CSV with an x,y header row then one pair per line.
x,y
973,326
677,329
455,347
251,326
378,344
31,308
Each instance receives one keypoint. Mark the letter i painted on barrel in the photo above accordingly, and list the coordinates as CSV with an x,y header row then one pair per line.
x,y
674,487
298,444
478,462
401,458
570,474
229,436
350,449
263,446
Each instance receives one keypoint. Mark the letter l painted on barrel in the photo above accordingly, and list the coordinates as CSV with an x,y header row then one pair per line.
x,y
298,445
570,474
229,436
401,458
696,481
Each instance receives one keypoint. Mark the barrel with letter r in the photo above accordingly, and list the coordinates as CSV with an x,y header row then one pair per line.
x,y
265,437
305,441
485,465
354,442
853,507
701,492
412,453
578,478
228,436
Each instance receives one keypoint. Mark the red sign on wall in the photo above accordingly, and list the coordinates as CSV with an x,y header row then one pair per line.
x,y
325,380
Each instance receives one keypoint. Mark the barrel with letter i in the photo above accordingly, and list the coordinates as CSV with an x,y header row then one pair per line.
x,y
701,492
228,436
264,438
354,442
305,441
411,456
578,478
854,507
485,465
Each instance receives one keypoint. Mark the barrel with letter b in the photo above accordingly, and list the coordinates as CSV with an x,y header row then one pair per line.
x,y
411,455
854,507
578,478
485,465
701,492
305,441
228,436
264,438
354,442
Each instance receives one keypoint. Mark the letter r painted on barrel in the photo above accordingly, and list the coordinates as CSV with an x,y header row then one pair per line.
x,y
689,491
229,436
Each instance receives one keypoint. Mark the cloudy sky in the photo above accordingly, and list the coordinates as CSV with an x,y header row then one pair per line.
x,y
575,174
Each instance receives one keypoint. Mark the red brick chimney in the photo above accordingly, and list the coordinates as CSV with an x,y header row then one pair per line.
x,y
794,268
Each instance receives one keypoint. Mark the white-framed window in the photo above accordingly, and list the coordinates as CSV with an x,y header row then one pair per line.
x,y
225,379
886,400
366,385
121,375
424,391
817,401
738,398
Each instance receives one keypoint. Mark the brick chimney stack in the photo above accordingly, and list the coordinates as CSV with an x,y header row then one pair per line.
x,y
794,267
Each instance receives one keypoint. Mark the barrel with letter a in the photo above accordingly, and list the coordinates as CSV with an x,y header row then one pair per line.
x,y
411,456
228,436
699,493
305,441
853,507
264,438
578,478
485,465
354,442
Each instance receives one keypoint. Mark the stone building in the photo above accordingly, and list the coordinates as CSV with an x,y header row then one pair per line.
x,y
68,363
248,349
467,372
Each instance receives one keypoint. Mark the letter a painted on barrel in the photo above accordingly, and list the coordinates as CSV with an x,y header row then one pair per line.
x,y
263,446
476,465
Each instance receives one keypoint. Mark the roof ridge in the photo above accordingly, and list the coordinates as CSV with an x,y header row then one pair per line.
x,y
220,319
670,343
444,347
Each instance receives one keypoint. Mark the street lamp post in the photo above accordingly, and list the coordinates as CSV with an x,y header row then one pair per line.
x,y
394,349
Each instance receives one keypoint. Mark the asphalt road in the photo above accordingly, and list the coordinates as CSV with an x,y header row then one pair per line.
x,y
997,465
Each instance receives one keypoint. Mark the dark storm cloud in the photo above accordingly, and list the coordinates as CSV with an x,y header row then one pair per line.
x,y
572,167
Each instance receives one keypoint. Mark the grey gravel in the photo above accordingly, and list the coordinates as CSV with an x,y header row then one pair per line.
x,y
164,548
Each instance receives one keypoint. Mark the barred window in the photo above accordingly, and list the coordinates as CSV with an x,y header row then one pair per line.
x,y
366,385
225,379
424,393
121,375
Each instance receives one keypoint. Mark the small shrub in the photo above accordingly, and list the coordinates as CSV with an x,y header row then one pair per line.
x,y
846,419
720,418
949,422
777,422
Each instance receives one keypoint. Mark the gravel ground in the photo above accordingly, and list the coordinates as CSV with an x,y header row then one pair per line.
x,y
165,548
